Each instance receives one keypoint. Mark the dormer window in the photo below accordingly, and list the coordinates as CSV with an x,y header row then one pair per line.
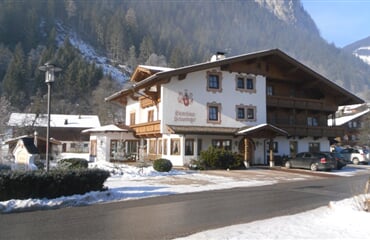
x,y
214,80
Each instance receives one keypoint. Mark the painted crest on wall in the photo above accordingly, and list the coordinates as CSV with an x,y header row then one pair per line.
x,y
185,98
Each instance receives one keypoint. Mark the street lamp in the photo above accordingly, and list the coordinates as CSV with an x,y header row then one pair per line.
x,y
49,70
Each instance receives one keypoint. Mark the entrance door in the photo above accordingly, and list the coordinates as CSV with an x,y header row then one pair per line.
x,y
250,153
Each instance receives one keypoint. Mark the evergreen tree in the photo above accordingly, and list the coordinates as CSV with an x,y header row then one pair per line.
x,y
14,81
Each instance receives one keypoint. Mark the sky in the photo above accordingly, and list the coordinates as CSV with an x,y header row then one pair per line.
x,y
130,182
341,22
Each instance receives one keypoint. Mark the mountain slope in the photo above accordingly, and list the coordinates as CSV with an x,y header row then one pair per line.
x,y
121,34
360,49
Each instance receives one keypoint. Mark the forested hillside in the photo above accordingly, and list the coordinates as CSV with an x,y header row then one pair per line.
x,y
167,33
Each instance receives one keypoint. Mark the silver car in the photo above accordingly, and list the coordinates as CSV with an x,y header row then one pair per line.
x,y
355,156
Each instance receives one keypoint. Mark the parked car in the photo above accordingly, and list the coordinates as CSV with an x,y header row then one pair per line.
x,y
340,162
355,156
312,161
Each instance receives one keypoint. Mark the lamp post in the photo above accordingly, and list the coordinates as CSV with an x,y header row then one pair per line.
x,y
49,70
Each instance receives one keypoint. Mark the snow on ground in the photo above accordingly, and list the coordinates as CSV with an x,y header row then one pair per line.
x,y
339,220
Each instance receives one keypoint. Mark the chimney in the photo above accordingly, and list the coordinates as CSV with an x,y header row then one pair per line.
x,y
65,121
218,56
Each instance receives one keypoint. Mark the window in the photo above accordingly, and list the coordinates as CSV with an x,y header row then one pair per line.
x,y
312,122
175,146
250,83
240,82
250,113
214,79
223,143
241,113
314,147
245,83
245,113
132,118
150,115
214,113
269,91
189,147
117,149
132,146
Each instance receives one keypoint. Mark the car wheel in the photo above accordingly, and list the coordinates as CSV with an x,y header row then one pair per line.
x,y
313,167
355,161
288,164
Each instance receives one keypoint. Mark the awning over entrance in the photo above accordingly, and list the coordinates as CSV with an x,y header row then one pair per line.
x,y
262,131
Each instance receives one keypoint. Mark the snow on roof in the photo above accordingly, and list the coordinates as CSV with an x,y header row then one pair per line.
x,y
106,128
345,119
263,125
56,120
156,68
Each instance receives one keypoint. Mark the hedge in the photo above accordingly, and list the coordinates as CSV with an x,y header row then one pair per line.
x,y
73,163
52,184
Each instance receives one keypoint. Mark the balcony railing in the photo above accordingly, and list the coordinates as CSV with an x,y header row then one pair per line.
x,y
313,131
147,102
147,129
299,103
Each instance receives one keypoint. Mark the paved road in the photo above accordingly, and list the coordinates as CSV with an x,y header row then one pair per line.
x,y
178,215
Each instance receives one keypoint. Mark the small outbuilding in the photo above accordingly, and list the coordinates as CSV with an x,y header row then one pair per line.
x,y
25,154
112,143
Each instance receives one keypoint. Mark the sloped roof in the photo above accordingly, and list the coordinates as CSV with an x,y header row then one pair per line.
x,y
30,146
106,128
13,140
56,120
262,130
339,121
273,57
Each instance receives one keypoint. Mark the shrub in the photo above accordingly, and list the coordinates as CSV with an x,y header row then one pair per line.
x,y
216,158
162,165
52,184
73,163
39,164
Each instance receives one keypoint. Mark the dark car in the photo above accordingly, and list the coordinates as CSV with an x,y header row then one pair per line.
x,y
339,159
313,161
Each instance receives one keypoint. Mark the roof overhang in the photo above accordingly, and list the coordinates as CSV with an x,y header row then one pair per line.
x,y
259,131
236,64
106,129
201,130
262,131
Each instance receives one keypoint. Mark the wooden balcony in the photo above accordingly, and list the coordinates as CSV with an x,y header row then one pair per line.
x,y
147,102
147,129
299,103
312,131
